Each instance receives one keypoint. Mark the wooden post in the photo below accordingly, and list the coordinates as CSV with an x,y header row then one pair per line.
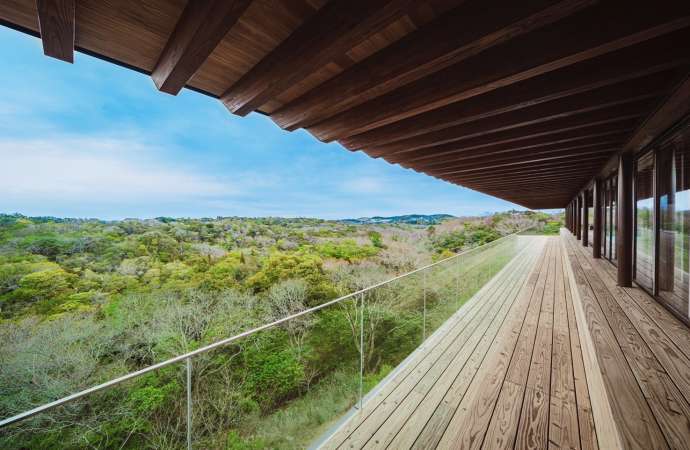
x,y
585,219
578,217
624,226
598,216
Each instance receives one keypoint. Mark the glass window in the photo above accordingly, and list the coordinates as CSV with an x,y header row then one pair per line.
x,y
609,224
674,222
644,221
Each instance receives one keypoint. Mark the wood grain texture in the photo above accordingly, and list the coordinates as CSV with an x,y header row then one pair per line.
x,y
634,418
56,20
333,30
580,111
199,30
455,36
551,47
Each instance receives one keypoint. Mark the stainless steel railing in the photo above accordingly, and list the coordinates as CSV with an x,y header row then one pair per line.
x,y
358,296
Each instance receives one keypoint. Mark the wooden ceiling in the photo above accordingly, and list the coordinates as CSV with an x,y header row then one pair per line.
x,y
522,100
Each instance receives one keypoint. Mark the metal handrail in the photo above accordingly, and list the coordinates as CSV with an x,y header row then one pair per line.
x,y
187,356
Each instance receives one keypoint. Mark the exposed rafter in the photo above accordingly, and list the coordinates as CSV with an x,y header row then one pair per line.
x,y
655,56
56,21
551,47
457,35
332,31
202,25
524,100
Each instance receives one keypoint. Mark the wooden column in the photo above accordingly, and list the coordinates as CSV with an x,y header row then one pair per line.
x,y
585,220
578,217
624,226
598,216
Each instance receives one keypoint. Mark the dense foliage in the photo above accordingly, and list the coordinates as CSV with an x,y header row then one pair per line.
x,y
83,301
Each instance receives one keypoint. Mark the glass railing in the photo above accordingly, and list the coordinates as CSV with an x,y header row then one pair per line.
x,y
280,385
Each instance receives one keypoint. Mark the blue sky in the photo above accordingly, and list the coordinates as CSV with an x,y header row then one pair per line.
x,y
96,140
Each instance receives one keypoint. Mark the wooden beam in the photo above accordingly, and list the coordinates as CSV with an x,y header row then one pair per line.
x,y
56,25
585,35
675,107
582,124
555,167
574,148
547,185
328,34
563,141
543,113
453,37
599,155
199,30
640,61
565,174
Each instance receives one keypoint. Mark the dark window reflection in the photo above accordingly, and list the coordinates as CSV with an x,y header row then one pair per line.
x,y
674,220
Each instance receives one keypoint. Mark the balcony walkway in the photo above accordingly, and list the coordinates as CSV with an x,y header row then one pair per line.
x,y
515,367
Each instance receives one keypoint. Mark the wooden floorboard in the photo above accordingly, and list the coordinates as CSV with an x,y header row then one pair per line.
x,y
551,353
662,371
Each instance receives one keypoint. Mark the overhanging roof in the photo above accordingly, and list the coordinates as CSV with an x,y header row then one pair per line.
x,y
522,100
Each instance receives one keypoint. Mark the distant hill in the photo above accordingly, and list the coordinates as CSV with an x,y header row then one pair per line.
x,y
415,219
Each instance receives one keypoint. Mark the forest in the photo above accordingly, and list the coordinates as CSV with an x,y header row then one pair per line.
x,y
85,301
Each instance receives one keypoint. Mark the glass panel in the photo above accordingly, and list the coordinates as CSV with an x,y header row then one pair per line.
x,y
644,223
144,412
674,206
282,387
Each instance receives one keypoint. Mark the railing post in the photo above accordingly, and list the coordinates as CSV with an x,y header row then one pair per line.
x,y
457,282
189,403
424,306
361,351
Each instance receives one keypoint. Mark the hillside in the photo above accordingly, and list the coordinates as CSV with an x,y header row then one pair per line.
x,y
84,301
411,219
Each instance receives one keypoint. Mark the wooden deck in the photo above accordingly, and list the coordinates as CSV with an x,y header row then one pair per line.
x,y
549,354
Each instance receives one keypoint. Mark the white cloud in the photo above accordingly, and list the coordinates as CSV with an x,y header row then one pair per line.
x,y
98,168
364,185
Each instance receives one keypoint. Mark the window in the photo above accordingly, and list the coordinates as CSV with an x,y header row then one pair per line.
x,y
673,161
609,224
644,221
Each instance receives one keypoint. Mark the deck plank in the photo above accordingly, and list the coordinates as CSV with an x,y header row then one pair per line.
x,y
420,361
429,392
468,426
665,398
636,422
534,418
551,353
586,427
503,425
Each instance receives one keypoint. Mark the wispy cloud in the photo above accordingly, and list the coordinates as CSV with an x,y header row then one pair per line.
x,y
98,168
96,140
365,185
